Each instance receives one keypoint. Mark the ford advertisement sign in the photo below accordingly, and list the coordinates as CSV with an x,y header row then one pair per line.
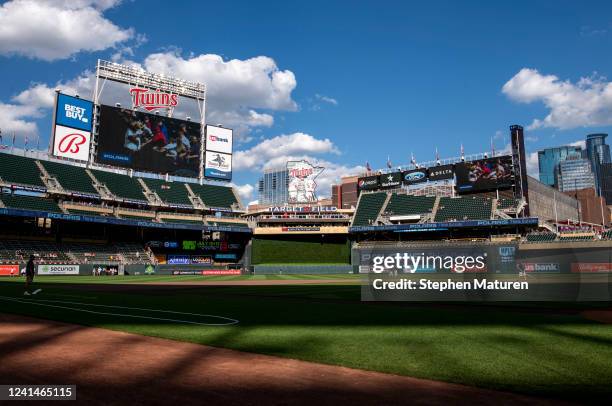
x,y
414,176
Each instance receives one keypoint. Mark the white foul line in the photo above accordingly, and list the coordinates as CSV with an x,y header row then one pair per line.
x,y
36,302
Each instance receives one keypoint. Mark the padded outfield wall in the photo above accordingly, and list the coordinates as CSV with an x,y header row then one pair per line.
x,y
550,257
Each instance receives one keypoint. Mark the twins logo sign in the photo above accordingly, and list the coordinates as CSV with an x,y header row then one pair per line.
x,y
71,143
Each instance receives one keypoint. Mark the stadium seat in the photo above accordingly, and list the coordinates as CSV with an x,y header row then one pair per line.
x,y
169,192
72,178
29,203
402,205
20,170
541,237
121,186
368,209
214,196
463,208
504,203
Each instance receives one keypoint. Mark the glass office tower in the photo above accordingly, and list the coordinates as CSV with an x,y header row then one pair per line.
x,y
549,159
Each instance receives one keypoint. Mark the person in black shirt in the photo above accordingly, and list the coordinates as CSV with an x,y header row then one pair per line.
x,y
30,277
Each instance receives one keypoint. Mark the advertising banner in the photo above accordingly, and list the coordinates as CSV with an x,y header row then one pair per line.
x,y
221,272
225,257
218,165
391,180
368,183
442,172
591,267
548,267
201,260
148,142
302,186
58,269
73,112
178,260
71,143
219,139
414,176
9,270
484,174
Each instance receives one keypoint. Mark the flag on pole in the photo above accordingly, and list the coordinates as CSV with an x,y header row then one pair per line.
x,y
437,156
13,138
368,167
492,147
26,141
412,160
389,165
462,153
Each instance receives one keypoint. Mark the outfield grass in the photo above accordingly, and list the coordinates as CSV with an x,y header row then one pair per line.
x,y
522,350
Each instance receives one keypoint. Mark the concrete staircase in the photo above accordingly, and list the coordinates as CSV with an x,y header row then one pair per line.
x,y
50,182
151,196
100,187
196,201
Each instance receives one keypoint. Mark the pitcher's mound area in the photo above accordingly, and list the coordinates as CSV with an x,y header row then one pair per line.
x,y
112,367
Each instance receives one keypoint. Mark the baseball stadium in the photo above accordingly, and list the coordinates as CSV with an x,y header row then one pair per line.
x,y
133,272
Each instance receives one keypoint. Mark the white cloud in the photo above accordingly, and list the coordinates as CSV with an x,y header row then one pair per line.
x,y
532,165
236,88
275,152
15,119
579,143
585,103
326,99
51,30
332,174
244,191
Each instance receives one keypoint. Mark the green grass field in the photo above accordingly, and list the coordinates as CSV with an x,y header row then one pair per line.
x,y
546,350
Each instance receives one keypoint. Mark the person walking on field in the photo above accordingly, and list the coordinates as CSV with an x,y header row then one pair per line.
x,y
30,278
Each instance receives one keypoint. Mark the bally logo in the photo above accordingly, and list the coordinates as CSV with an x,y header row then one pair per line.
x,y
71,143
150,100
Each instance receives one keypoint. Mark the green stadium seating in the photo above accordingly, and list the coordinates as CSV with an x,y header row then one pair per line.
x,y
20,170
213,195
369,207
607,235
503,204
463,208
541,237
29,203
122,186
576,238
403,205
70,177
169,192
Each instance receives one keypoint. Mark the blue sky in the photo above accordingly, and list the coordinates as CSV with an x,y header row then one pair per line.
x,y
342,82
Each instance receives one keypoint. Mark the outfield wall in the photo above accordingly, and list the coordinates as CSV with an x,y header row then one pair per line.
x,y
557,257
301,250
